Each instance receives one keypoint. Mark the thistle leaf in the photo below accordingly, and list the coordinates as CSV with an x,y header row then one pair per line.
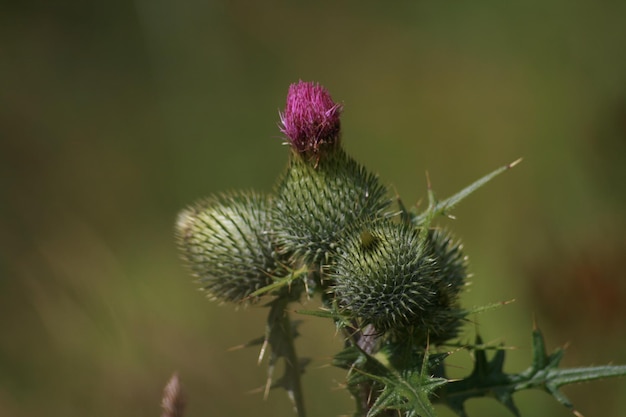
x,y
399,380
281,282
489,379
444,207
547,375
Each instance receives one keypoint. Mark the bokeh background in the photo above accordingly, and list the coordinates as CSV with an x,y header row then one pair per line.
x,y
114,115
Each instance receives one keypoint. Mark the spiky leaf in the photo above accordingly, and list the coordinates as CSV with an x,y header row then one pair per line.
x,y
489,379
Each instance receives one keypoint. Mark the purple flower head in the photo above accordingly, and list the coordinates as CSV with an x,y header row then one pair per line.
x,y
311,118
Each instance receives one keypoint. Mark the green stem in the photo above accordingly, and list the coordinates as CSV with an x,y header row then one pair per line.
x,y
280,335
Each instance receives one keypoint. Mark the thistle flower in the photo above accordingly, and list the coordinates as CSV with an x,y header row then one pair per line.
x,y
316,202
386,277
311,118
226,242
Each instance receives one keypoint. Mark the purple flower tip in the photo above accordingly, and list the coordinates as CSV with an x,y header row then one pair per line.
x,y
311,118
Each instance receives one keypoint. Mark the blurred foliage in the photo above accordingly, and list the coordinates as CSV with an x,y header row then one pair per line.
x,y
115,115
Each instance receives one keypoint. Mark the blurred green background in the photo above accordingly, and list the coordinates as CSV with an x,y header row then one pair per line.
x,y
115,115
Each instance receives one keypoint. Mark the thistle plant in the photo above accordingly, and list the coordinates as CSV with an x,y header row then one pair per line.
x,y
388,277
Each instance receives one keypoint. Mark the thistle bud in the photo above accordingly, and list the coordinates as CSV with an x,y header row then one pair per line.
x,y
226,242
311,118
395,282
316,204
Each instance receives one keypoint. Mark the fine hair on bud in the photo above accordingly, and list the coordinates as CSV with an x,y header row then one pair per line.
x,y
316,203
387,276
226,242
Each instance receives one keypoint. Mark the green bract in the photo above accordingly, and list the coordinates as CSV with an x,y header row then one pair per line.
x,y
318,199
387,276
226,242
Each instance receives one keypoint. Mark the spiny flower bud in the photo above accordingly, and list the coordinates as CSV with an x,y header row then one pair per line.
x,y
385,277
226,242
311,118
315,204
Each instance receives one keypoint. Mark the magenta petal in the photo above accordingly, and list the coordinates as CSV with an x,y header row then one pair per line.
x,y
311,117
